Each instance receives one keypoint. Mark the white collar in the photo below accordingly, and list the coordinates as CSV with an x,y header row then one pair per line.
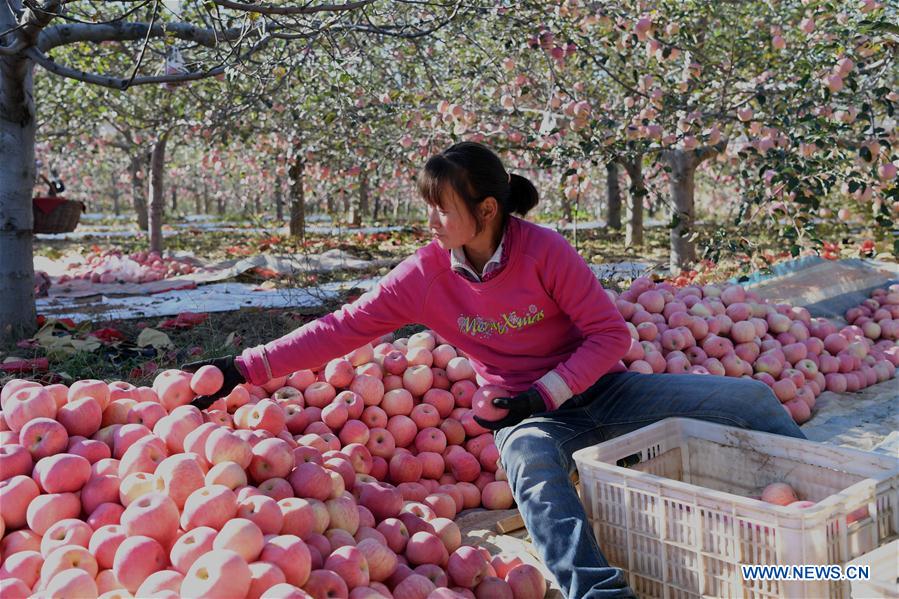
x,y
459,262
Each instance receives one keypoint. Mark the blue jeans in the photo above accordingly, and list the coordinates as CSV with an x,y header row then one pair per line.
x,y
536,455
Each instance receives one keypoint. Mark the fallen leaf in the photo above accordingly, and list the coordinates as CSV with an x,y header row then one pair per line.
x,y
154,338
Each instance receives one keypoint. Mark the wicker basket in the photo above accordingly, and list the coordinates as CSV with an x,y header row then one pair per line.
x,y
62,219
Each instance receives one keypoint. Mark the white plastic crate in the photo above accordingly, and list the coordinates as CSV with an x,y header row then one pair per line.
x,y
883,564
680,519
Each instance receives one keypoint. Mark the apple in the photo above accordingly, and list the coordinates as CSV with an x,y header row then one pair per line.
x,y
343,513
147,413
350,564
464,466
404,467
20,540
136,485
493,588
144,455
310,480
426,548
190,546
369,388
319,394
324,584
223,445
339,372
291,554
173,388
467,567
24,566
497,496
381,560
15,460
26,404
418,379
125,436
425,415
414,586
70,531
482,402
136,558
72,583
526,581
104,543
99,489
180,475
153,515
241,536
90,449
220,573
165,580
271,458
209,506
403,430
16,494
463,391
62,473
96,389
207,380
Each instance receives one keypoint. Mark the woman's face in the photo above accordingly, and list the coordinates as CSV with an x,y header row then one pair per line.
x,y
452,225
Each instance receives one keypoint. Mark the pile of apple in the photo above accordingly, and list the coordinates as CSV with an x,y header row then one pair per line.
x,y
338,483
139,267
878,316
729,331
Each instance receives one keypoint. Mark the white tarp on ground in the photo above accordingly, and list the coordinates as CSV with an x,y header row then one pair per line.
x,y
109,232
826,288
329,261
216,297
616,271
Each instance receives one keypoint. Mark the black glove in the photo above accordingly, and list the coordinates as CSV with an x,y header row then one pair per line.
x,y
520,407
232,375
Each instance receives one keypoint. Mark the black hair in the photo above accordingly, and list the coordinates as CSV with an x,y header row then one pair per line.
x,y
475,173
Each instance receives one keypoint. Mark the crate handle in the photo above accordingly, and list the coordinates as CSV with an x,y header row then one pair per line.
x,y
630,460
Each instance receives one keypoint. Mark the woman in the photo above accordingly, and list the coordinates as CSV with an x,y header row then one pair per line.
x,y
526,309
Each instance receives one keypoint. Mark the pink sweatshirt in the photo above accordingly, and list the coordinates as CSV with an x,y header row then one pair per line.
x,y
543,320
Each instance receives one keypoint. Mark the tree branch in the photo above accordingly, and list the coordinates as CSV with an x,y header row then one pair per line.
x,y
59,35
702,154
268,9
14,49
115,82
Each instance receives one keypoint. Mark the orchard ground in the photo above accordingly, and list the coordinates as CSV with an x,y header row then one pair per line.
x,y
864,420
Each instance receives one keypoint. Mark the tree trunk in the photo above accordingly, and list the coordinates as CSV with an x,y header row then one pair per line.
x,y
633,236
683,249
359,207
613,197
220,205
683,166
138,199
115,194
376,208
157,192
174,199
17,174
279,201
198,203
297,197
566,203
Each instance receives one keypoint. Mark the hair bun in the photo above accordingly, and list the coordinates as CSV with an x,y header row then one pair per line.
x,y
522,194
